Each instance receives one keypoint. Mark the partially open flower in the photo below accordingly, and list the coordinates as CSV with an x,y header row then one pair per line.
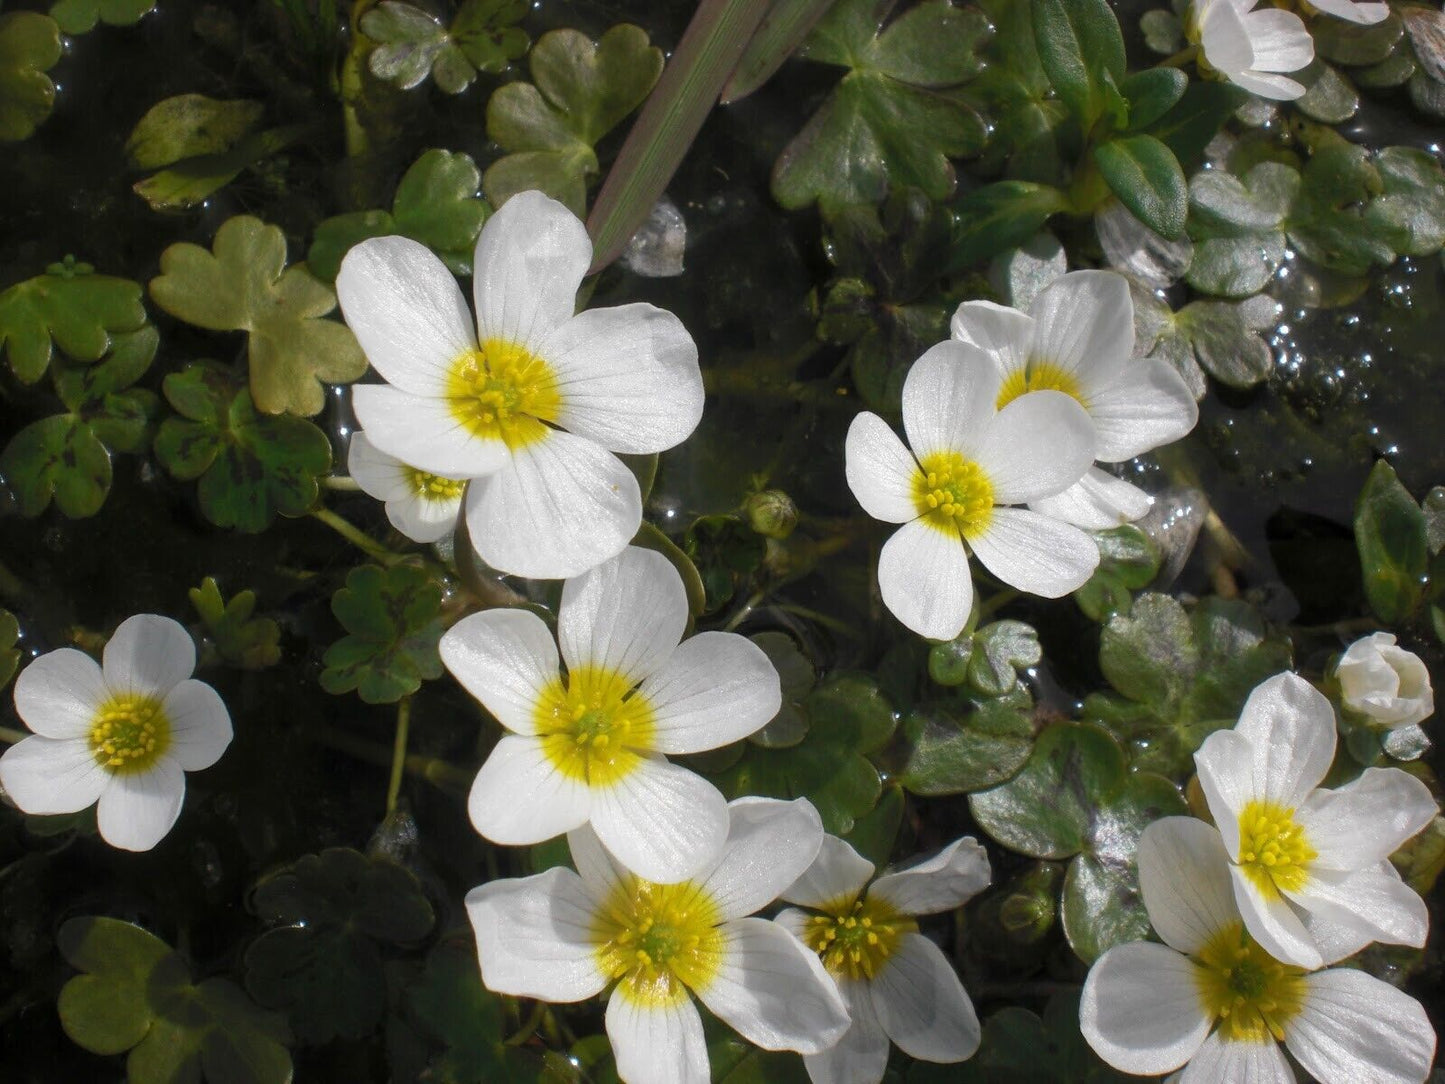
x,y
1252,48
1387,684
421,505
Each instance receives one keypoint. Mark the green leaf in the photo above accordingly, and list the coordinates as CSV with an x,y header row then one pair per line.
x,y
393,623
9,653
190,182
1000,651
580,92
1146,177
411,44
1221,336
1082,52
1237,227
948,752
1329,97
1390,535
1196,118
73,307
780,33
1151,93
243,284
106,1010
1410,213
1020,1048
1128,561
244,641
187,126
1433,506
998,217
790,725
29,47
1327,221
1354,45
726,552
80,16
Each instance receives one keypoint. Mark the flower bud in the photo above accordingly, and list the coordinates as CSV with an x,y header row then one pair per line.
x,y
1386,684
771,513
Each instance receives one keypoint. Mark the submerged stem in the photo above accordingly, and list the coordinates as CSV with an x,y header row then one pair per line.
x,y
10,736
398,752
529,1026
356,536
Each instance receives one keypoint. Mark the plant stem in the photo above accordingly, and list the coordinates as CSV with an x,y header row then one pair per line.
x,y
10,736
398,752
998,602
341,483
529,1026
434,770
356,536
353,87
1181,58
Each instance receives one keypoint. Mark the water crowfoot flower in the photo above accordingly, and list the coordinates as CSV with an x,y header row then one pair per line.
x,y
896,983
1212,997
964,463
564,936
123,733
1251,48
588,745
1387,684
531,401
421,505
1077,338
1310,867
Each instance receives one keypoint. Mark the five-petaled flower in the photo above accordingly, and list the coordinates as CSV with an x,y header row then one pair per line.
x,y
1252,48
421,505
1386,684
123,733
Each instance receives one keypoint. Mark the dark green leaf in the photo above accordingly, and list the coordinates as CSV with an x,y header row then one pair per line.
x,y
392,617
955,753
1151,93
9,654
1187,128
1082,51
251,643
782,30
1020,1048
1146,177
1390,535
1128,561
1000,216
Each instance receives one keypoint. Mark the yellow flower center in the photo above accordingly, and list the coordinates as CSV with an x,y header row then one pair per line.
x,y
658,940
1250,993
1039,376
857,938
499,391
1273,850
594,725
129,734
433,487
952,493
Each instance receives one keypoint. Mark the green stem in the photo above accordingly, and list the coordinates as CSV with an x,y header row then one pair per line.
x,y
341,483
398,752
529,1026
998,602
1181,58
353,87
356,536
434,770
745,611
10,736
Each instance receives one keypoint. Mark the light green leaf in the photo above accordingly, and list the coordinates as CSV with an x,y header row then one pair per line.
x,y
1237,226
80,16
29,47
1410,213
1391,537
1128,561
244,641
73,307
189,125
411,44
392,618
1328,98
1163,31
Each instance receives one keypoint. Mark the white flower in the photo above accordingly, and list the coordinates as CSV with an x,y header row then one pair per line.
x,y
1212,997
1077,338
588,746
967,461
896,983
421,505
559,936
533,401
1353,11
1386,683
1310,867
124,733
1251,48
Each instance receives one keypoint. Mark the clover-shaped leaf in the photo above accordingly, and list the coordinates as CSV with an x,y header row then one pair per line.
x,y
392,621
1238,227
243,284
251,467
895,118
66,457
80,16
29,47
953,751
580,92
1392,537
1327,221
1410,213
73,307
726,553
797,676
321,963
1222,338
436,203
1128,561
412,44
251,643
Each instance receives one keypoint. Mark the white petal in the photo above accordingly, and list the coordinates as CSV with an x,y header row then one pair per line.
x,y
200,725
1141,1009
1224,39
1291,728
770,843
1277,88
1084,324
1146,407
1353,1027
136,811
1278,40
562,506
406,310
1004,334
504,658
924,579
1225,763
626,615
422,432
58,693
657,1044
1272,922
519,796
1335,941
1184,876
861,1055
534,937
880,469
422,519
921,1004
530,260
1219,1061
1038,445
1096,502
1374,901
717,688
379,475
1366,820
947,880
1365,14
772,991
51,775
663,822
601,872
148,654
948,398
1035,553
834,879
628,377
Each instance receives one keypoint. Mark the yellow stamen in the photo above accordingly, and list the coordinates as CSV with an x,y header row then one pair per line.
x,y
1039,376
129,734
499,391
952,493
856,938
1249,993
1273,850
433,487
659,940
594,725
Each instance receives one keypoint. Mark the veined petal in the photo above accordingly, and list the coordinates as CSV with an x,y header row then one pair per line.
x,y
1291,729
1366,820
504,658
921,1004
406,310
1037,446
1141,1009
424,520
1084,325
947,880
924,579
379,475
1278,40
1374,901
948,398
1225,763
880,470
598,867
148,654
1146,407
772,991
1096,502
200,724
1335,941
57,694
1272,922
534,937
770,843
519,796
626,615
421,432
834,879
1035,553
530,260
1219,1060
628,377
657,1044
717,688
1224,39
861,1055
1352,1026
562,506
663,822
1184,876
136,811
51,775
1004,334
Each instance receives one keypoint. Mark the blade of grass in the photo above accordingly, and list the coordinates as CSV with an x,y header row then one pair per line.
x,y
781,32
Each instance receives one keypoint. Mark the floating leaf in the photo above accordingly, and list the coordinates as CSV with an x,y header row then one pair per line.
x,y
1327,221
80,16
949,751
1391,537
1128,561
243,284
1410,213
412,44
1329,97
71,305
392,619
790,725
1219,337
1237,227
29,47
251,643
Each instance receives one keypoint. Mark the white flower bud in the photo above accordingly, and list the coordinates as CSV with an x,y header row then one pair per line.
x,y
1385,683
